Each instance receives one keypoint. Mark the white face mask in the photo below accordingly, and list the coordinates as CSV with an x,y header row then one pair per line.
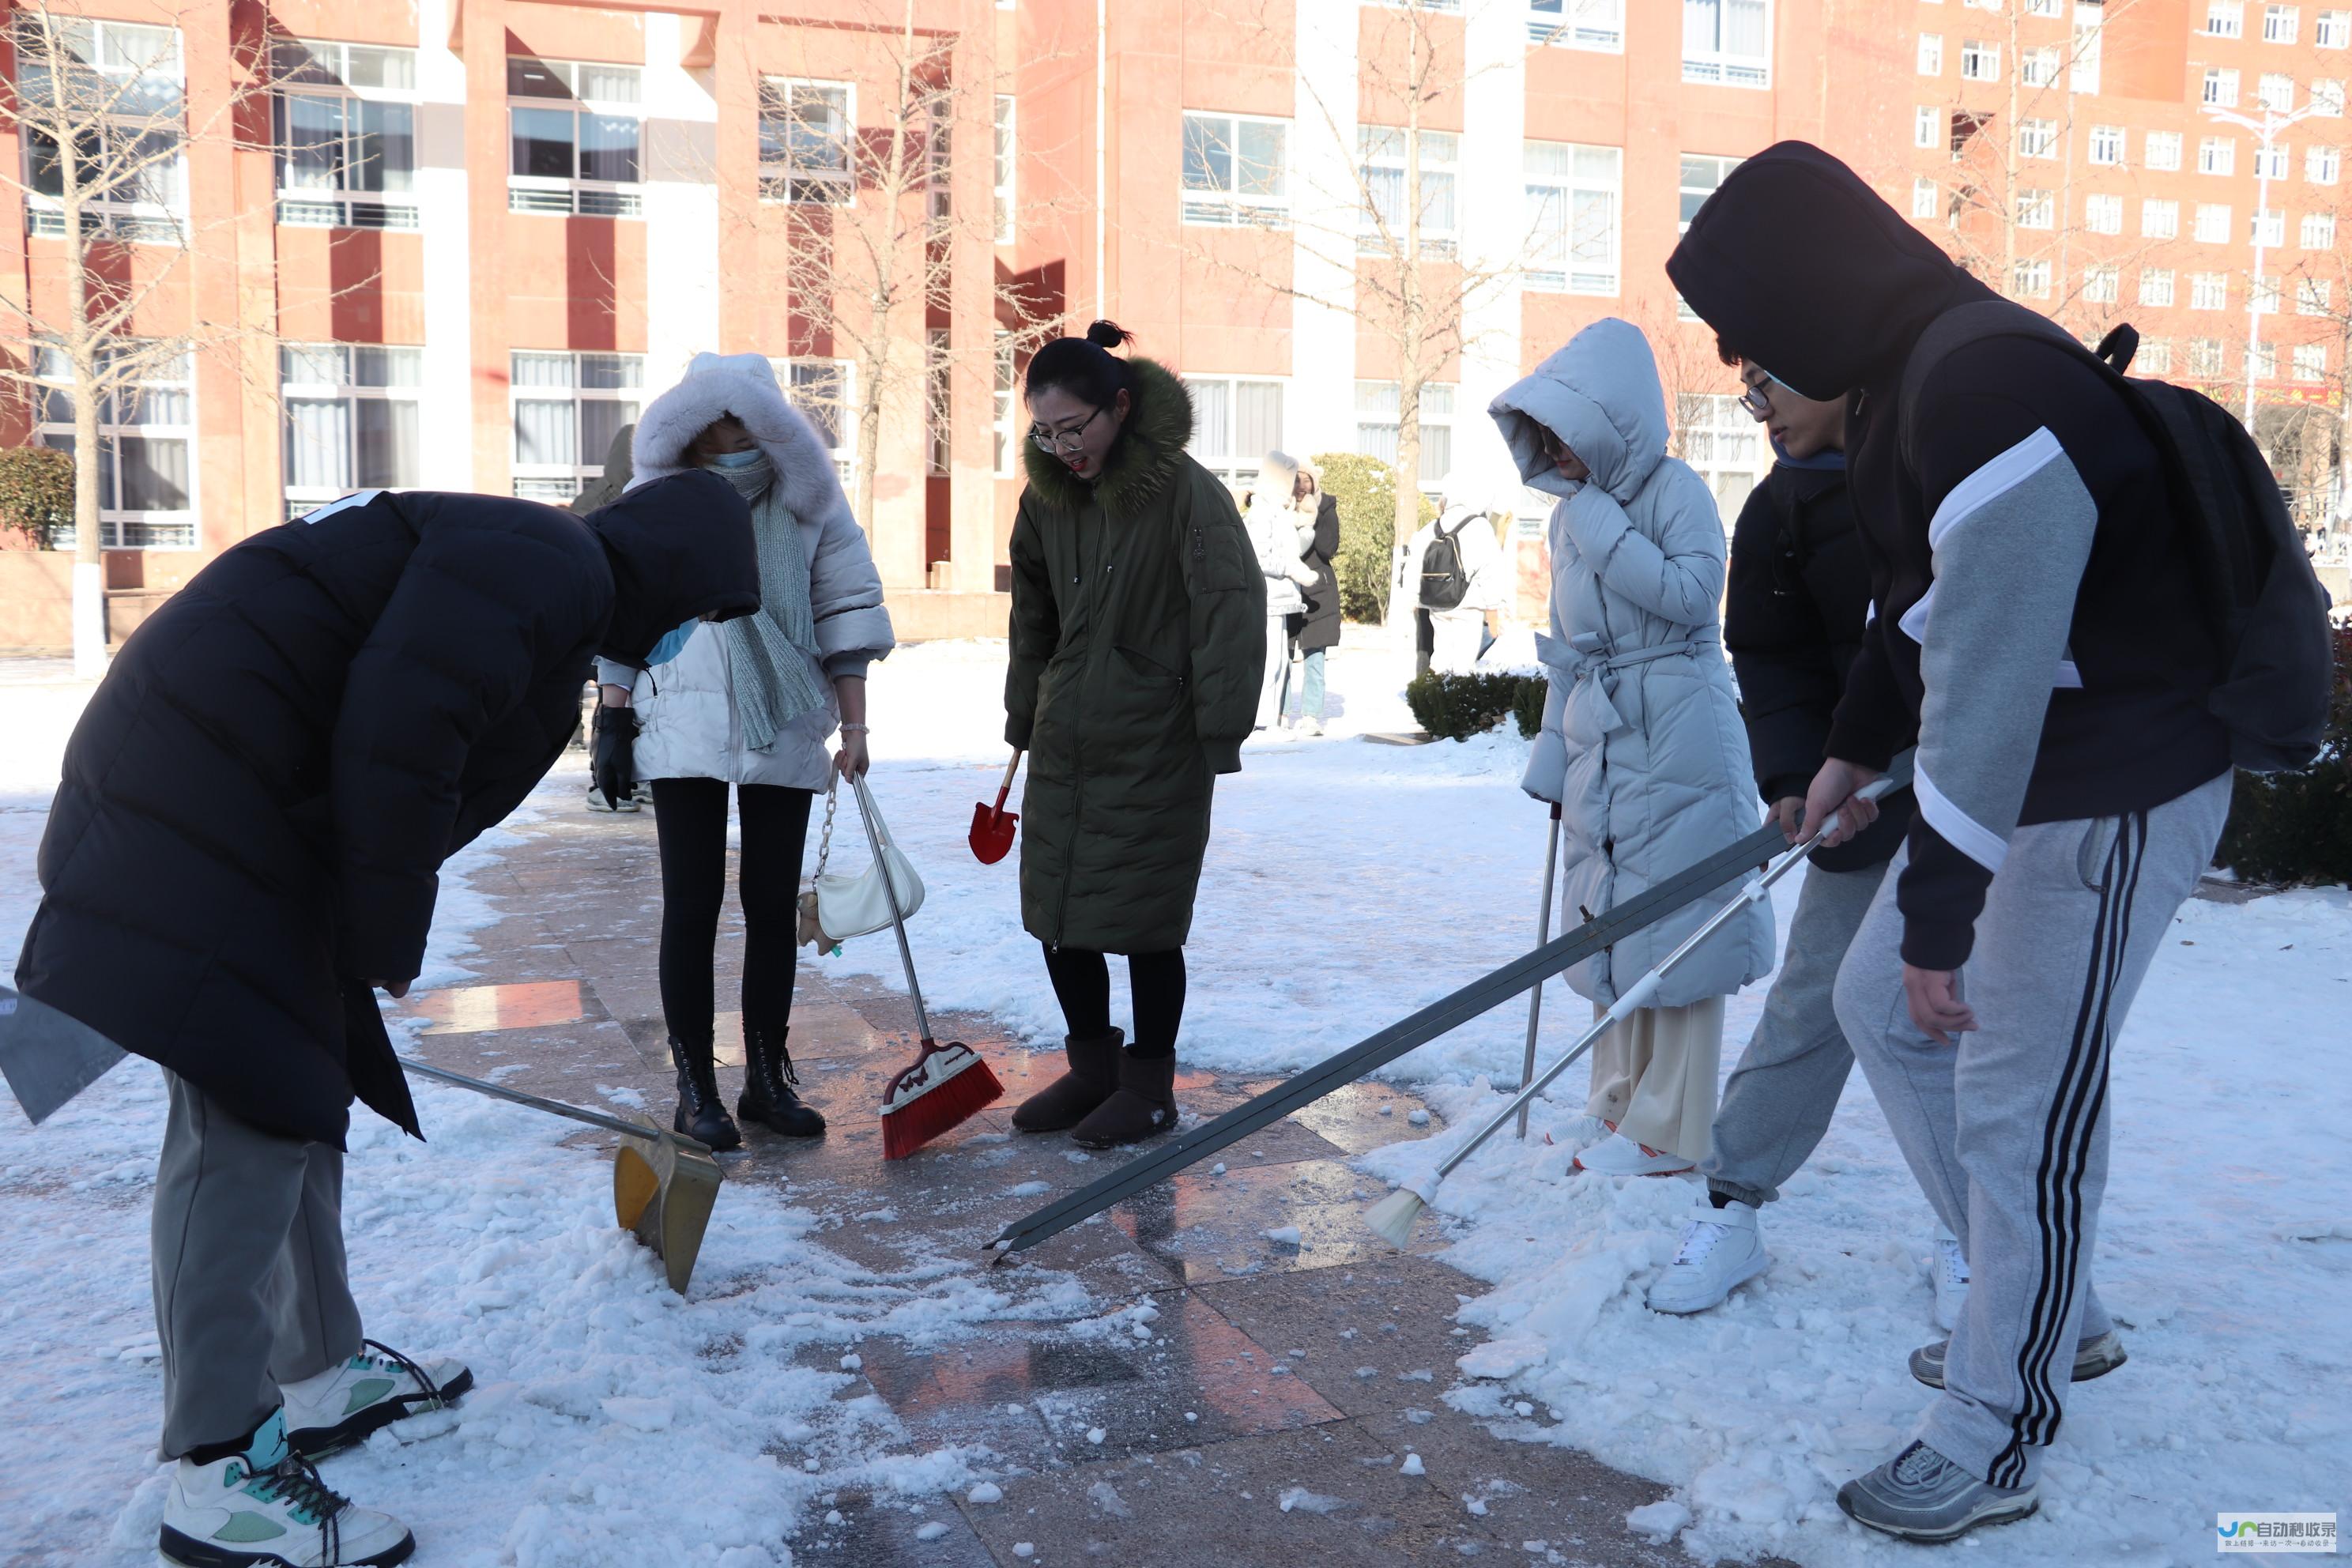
x,y
743,459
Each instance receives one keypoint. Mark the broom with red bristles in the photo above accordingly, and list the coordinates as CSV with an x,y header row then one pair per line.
x,y
945,1085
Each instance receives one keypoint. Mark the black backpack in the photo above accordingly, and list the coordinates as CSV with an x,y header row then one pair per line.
x,y
1444,583
2265,603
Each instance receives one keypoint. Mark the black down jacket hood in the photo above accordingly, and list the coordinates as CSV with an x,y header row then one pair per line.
x,y
1799,265
680,548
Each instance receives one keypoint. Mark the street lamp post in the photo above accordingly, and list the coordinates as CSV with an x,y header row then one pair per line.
x,y
2267,129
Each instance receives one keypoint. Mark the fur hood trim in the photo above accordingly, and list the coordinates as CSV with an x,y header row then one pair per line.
x,y
745,387
1144,461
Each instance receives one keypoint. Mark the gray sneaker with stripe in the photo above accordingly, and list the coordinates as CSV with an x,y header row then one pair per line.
x,y
2093,1357
1921,1496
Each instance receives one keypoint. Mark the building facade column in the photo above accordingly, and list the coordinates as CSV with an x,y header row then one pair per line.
x,y
1493,191
446,413
1319,415
681,195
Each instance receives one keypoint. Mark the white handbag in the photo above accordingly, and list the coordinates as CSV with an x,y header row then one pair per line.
x,y
837,907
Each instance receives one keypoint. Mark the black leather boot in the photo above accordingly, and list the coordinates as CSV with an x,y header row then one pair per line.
x,y
1068,1101
702,1113
1143,1107
769,1080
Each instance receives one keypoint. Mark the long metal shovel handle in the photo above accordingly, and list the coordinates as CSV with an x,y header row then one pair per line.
x,y
1543,935
552,1107
1638,996
880,841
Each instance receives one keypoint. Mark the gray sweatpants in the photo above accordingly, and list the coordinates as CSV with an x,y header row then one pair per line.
x,y
1778,1102
250,1285
2007,1132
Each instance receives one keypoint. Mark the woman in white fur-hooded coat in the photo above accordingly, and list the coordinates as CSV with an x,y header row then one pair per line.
x,y
749,703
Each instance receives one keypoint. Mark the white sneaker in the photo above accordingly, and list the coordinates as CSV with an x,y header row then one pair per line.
x,y
596,801
1951,1271
1722,1249
375,1388
1618,1155
266,1506
1312,726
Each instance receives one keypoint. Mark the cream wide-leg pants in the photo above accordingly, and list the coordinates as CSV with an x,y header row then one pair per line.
x,y
1654,1075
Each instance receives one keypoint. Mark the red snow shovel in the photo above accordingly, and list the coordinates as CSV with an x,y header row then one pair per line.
x,y
991,826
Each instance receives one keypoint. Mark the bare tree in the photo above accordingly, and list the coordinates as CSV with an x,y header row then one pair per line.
x,y
2319,288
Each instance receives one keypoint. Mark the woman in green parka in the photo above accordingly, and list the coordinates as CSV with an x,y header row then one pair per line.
x,y
1138,646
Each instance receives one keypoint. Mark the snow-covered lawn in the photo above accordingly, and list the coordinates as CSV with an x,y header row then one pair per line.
x,y
1347,883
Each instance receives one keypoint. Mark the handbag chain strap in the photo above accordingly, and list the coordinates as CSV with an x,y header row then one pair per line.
x,y
831,804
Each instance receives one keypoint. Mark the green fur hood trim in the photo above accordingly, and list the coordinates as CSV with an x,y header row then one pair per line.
x,y
1145,459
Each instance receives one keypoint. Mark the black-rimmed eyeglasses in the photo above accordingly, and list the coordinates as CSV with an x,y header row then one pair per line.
x,y
1062,441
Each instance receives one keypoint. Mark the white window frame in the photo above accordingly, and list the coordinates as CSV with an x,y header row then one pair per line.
x,y
2090,31
120,54
2321,165
2281,24
1377,425
825,391
2225,18
2220,91
1926,198
1005,165
2310,362
2037,209
1005,411
1381,151
576,195
2160,217
2207,358
2038,66
1931,54
2105,148
2274,159
2263,294
1929,127
1228,206
1596,24
2208,290
297,385
1218,450
2102,213
2262,356
1720,65
1720,166
556,483
1722,441
2031,280
2212,225
2162,151
2155,357
121,528
2217,155
783,181
2328,95
1980,60
1546,186
2043,8
340,205
2332,30
2311,296
2037,138
2275,90
2103,284
2318,231
2157,287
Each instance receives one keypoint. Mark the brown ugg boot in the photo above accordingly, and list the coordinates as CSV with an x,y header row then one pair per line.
x,y
1144,1107
1068,1101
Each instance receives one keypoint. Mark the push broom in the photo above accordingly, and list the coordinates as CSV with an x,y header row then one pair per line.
x,y
946,1085
1393,1217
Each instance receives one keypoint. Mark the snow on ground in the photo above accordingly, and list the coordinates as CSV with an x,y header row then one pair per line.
x,y
1347,884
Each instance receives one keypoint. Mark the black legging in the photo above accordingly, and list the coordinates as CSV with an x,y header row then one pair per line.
x,y
690,815
1156,981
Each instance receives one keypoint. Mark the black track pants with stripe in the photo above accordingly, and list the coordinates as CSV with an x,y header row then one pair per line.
x,y
2007,1132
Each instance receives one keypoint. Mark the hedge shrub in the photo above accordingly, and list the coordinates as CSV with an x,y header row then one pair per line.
x,y
36,491
2297,827
1365,488
1457,707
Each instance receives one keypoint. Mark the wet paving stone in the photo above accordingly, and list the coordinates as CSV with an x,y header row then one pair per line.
x,y
1237,1223
1378,1337
889,1533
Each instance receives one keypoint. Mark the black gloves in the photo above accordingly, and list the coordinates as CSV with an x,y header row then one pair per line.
x,y
611,763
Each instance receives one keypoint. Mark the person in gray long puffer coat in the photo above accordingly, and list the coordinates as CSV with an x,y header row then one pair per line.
x,y
1641,745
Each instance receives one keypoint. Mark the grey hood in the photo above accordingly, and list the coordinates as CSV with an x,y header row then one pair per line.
x,y
1602,395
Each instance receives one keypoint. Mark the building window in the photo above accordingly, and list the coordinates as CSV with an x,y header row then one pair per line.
x,y
1965,128
2205,358
1573,197
2106,144
1007,157
2321,165
2031,280
1702,173
2037,138
2164,150
2160,219
2270,163
2276,91
2318,231
2156,286
2311,296
2333,30
2327,96
1376,426
2310,362
807,132
1007,409
2270,228
2102,285
2042,7
2155,357
2038,67
1236,171
346,124
1924,198
2225,18
2212,223
1980,61
1577,24
2037,209
123,83
567,409
350,420
2103,214
2261,359
1727,41
575,130
2279,23
1236,421
1931,54
2090,28
825,391
1725,445
1927,126
2220,87
1383,225
2208,290
938,401
146,429
2217,155
2262,296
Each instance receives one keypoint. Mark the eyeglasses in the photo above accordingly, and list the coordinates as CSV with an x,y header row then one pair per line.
x,y
1753,396
1063,441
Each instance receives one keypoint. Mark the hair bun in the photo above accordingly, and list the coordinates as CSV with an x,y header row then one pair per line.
x,y
1108,335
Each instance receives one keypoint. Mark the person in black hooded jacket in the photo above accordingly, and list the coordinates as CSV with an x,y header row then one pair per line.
x,y
245,842
2038,620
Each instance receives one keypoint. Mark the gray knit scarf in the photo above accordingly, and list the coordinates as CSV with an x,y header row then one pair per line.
x,y
775,650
